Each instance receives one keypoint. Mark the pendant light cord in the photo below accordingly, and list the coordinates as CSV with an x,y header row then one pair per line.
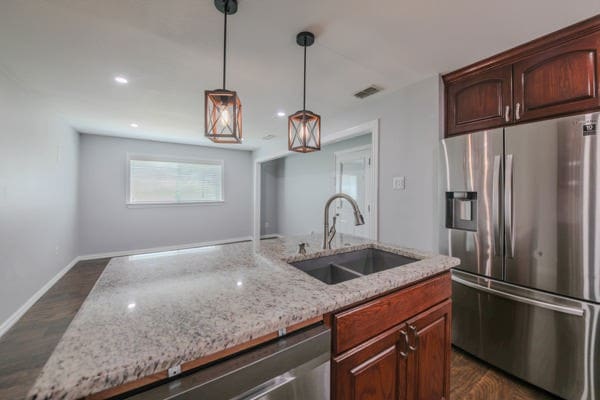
x,y
304,97
225,43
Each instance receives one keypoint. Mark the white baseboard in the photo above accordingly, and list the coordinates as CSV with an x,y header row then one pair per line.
x,y
271,236
163,248
6,325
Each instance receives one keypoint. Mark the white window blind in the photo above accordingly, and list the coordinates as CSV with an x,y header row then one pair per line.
x,y
157,181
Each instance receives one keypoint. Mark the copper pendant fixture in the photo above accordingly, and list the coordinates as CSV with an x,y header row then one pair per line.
x,y
304,127
222,107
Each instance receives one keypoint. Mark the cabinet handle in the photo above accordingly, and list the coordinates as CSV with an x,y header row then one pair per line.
x,y
518,111
507,113
404,354
413,329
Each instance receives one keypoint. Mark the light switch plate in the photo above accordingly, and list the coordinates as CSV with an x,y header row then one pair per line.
x,y
399,183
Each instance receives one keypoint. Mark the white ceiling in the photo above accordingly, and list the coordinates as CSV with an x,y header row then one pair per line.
x,y
70,50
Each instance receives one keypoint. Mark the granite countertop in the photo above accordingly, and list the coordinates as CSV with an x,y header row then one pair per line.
x,y
150,312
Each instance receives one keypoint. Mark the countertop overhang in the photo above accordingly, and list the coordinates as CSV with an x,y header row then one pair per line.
x,y
150,312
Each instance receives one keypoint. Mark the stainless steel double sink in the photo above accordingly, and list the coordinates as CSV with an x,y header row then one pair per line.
x,y
350,265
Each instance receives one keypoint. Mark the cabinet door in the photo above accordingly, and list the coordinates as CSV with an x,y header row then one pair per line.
x,y
374,370
561,80
428,366
479,101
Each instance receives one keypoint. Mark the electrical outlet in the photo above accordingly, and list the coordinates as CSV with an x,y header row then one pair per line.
x,y
399,183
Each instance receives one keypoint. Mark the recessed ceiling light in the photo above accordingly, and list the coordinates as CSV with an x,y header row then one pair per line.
x,y
121,79
134,125
281,114
131,306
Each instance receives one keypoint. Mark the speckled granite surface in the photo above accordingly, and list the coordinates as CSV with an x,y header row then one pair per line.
x,y
150,312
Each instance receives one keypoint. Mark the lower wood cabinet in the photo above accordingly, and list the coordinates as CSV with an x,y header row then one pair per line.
x,y
409,361
372,370
428,367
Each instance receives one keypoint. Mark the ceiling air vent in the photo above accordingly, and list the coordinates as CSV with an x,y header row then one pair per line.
x,y
371,90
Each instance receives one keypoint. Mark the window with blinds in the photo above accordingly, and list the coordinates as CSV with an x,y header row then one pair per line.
x,y
159,181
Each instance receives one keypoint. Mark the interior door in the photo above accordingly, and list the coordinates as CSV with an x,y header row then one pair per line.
x,y
353,177
552,214
473,170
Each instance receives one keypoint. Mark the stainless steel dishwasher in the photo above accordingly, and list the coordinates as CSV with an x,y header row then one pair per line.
x,y
293,367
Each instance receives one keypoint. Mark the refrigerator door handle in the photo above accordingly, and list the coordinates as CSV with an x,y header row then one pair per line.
x,y
509,207
526,300
496,205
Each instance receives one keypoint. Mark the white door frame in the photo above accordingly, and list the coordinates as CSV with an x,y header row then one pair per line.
x,y
371,127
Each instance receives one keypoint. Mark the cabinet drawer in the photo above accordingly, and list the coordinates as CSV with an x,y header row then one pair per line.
x,y
356,325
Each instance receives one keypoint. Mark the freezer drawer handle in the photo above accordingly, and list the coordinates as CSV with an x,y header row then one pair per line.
x,y
554,307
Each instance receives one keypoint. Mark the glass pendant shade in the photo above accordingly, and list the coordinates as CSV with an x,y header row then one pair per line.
x,y
304,132
223,116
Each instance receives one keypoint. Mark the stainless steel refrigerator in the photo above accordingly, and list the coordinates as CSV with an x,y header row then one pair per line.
x,y
522,212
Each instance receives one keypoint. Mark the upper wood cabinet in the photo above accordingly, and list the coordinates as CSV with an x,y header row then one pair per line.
x,y
558,81
479,101
551,76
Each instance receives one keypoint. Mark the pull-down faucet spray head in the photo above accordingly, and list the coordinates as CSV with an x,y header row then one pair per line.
x,y
358,218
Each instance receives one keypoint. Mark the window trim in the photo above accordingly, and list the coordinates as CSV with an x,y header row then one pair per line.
x,y
175,159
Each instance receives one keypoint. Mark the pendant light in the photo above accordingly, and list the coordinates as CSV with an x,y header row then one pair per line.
x,y
304,127
222,107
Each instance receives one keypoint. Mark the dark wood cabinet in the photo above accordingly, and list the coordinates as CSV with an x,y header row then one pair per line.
x,y
372,370
551,76
480,101
407,361
428,366
558,81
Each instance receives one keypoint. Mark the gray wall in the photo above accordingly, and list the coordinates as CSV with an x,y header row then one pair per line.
x,y
409,128
38,195
303,182
408,146
106,224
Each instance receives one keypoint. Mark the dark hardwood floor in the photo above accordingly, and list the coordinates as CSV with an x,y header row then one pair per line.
x,y
25,348
471,379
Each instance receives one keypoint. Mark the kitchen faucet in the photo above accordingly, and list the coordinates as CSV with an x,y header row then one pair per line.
x,y
329,234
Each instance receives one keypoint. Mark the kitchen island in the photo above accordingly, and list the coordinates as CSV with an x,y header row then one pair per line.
x,y
148,313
